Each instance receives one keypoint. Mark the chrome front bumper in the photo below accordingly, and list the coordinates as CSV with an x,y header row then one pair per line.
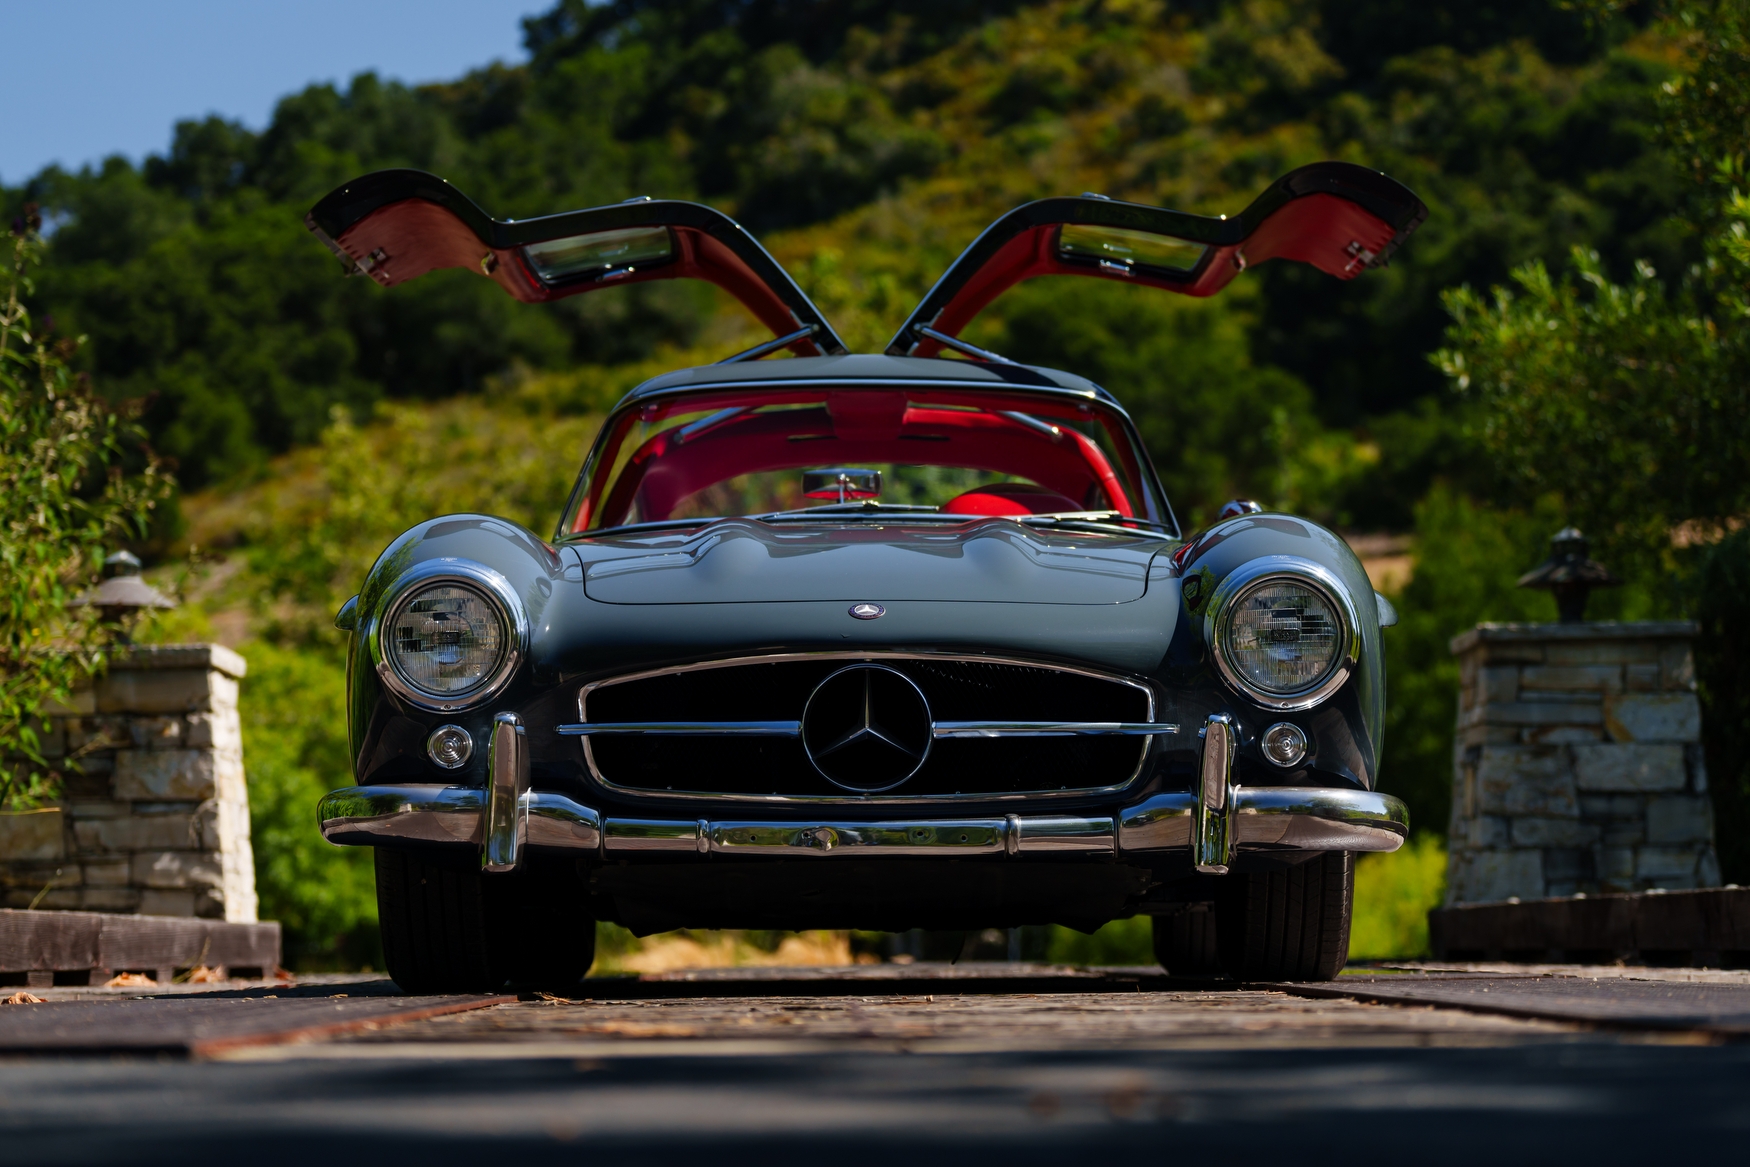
x,y
1264,818
506,818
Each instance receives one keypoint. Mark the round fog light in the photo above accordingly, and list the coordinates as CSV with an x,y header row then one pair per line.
x,y
449,746
1285,744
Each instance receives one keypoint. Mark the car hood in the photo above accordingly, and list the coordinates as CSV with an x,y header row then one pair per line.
x,y
990,561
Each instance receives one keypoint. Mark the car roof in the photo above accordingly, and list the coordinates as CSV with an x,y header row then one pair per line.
x,y
875,370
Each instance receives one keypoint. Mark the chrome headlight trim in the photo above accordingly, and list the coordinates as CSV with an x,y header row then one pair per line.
x,y
476,577
1218,616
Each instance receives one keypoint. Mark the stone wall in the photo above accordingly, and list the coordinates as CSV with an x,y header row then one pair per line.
x,y
155,817
1578,765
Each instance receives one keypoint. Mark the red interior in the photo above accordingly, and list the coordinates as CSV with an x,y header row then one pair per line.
x,y
1009,498
1318,229
862,427
418,236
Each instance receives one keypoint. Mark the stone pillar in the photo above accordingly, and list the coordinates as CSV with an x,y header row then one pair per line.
x,y
1577,766
155,814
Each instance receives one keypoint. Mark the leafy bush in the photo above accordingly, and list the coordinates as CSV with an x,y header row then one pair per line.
x,y
1394,892
295,751
74,478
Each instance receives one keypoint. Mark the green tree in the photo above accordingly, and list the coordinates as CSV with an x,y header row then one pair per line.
x,y
891,131
1631,399
1628,401
67,491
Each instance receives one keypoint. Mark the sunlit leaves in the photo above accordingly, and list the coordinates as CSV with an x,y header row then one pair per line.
x,y
67,492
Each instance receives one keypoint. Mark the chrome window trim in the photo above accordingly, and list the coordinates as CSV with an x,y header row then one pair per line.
x,y
595,772
1266,569
477,577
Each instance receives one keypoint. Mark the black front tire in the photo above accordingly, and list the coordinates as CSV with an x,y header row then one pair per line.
x,y
1289,925
449,929
1185,942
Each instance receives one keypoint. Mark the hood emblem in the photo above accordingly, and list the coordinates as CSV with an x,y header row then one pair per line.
x,y
867,728
868,611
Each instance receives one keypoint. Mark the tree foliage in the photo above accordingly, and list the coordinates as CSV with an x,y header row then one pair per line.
x,y
1628,401
1631,399
67,491
871,141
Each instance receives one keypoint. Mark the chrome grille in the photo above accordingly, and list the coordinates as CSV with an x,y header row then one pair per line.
x,y
731,729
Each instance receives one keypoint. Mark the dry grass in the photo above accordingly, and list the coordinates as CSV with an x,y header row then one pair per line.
x,y
683,950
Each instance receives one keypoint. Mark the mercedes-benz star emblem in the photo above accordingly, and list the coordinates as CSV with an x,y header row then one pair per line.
x,y
867,728
868,611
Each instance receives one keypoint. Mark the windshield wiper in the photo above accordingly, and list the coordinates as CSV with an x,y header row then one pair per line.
x,y
1102,519
868,509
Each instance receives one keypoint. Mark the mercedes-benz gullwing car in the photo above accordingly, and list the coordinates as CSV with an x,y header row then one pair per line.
x,y
877,641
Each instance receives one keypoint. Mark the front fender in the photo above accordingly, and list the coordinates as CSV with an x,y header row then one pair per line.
x,y
1345,728
386,734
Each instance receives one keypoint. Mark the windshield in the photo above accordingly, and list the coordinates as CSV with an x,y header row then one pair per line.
x,y
711,455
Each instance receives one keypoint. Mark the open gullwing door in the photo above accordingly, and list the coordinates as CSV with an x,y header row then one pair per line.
x,y
1339,217
397,225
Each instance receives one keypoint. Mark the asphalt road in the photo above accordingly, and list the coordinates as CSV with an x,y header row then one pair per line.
x,y
932,1065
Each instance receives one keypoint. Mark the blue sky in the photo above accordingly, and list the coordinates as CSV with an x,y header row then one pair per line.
x,y
83,79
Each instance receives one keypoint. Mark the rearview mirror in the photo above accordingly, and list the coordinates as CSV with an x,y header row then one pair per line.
x,y
841,484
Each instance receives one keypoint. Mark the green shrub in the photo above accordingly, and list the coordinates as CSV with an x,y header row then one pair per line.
x,y
294,750
74,480
1118,942
1393,894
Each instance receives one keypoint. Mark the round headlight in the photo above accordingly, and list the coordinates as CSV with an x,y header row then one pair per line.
x,y
446,640
1283,636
